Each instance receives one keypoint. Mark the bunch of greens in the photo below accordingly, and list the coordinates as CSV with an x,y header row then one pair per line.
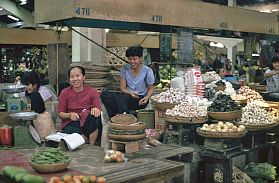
x,y
50,156
261,172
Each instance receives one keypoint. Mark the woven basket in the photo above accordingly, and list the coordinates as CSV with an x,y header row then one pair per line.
x,y
96,75
225,116
177,119
96,82
273,104
258,127
49,168
186,120
134,126
243,101
221,135
199,120
124,119
162,106
127,138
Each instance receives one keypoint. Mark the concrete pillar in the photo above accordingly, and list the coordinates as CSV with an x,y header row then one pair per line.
x,y
58,65
84,50
231,53
232,3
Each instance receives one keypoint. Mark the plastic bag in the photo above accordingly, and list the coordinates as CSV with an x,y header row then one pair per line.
x,y
44,125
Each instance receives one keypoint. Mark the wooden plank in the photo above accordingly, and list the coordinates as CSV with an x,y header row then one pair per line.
x,y
146,171
188,13
162,152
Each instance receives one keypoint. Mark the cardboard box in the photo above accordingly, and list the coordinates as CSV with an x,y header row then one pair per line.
x,y
160,123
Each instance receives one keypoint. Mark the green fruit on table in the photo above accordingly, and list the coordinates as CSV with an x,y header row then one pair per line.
x,y
173,70
19,176
168,67
32,179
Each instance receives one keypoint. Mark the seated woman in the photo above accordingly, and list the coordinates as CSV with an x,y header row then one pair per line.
x,y
37,94
136,83
79,107
272,76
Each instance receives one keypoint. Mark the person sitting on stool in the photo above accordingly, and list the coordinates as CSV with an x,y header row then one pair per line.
x,y
136,84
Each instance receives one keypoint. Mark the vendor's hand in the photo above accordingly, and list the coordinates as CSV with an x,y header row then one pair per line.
x,y
134,95
95,112
74,116
143,101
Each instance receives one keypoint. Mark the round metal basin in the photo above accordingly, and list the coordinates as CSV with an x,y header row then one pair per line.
x,y
25,116
11,89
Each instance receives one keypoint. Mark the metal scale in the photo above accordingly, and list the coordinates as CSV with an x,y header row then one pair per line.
x,y
24,134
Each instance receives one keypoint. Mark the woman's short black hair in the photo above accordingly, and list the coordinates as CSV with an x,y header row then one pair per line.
x,y
275,59
134,51
82,70
30,78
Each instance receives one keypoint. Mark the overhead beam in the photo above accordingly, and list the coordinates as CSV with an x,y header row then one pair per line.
x,y
39,37
184,13
18,11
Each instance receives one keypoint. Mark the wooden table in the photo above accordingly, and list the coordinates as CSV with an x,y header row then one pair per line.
x,y
143,166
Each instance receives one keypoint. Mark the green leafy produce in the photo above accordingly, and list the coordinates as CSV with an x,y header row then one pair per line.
x,y
263,171
50,156
223,103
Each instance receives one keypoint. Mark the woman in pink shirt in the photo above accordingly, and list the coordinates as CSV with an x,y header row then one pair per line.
x,y
79,107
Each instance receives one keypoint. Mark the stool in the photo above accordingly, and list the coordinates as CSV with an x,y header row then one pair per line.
x,y
129,147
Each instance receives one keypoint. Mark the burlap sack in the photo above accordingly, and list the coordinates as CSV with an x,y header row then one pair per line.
x,y
44,125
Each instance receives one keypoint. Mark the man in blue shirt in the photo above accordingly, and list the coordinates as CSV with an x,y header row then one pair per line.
x,y
136,84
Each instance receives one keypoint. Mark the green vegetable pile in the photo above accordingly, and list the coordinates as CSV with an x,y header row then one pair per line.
x,y
167,72
49,156
261,172
223,103
20,175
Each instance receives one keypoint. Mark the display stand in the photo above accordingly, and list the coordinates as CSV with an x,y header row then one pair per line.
x,y
182,134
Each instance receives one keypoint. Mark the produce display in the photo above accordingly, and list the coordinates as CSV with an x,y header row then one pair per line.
x,y
238,97
222,127
67,178
250,94
167,72
253,114
49,156
223,103
114,156
170,96
186,110
20,175
261,103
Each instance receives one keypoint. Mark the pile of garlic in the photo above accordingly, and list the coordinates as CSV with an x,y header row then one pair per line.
x,y
250,94
186,110
222,127
170,96
253,114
